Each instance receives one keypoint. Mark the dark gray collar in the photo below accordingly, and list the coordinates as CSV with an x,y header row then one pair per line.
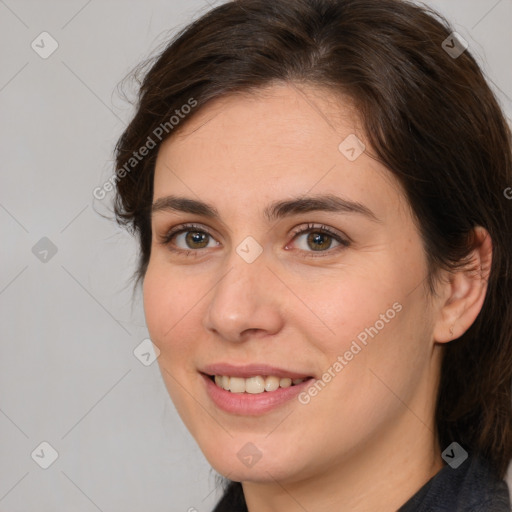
x,y
472,487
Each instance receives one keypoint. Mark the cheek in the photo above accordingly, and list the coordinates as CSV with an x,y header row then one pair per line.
x,y
168,307
368,325
169,301
347,306
171,310
157,305
379,360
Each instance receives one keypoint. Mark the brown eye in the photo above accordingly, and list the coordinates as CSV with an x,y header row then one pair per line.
x,y
188,238
318,239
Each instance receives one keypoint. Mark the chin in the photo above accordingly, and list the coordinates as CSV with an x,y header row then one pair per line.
x,y
243,461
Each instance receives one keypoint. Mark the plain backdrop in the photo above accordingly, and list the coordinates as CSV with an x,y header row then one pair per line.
x,y
69,324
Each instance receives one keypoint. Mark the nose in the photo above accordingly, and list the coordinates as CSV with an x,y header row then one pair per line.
x,y
246,302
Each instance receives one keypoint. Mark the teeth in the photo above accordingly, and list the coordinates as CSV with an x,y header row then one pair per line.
x,y
236,384
285,383
271,383
254,385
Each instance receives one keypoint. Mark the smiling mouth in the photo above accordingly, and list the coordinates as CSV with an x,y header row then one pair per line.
x,y
254,385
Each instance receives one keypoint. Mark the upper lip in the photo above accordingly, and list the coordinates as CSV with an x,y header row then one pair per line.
x,y
251,370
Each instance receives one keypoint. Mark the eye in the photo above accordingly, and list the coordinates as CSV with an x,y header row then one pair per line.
x,y
319,239
187,238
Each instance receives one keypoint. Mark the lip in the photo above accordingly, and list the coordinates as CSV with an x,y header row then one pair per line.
x,y
247,404
251,370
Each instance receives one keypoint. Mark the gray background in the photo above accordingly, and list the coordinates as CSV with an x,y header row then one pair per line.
x,y
68,375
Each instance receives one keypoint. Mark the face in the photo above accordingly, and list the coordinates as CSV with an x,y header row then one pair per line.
x,y
294,257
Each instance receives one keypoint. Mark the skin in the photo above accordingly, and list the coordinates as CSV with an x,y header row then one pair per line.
x,y
366,441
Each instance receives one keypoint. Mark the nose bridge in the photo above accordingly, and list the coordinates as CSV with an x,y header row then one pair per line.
x,y
241,300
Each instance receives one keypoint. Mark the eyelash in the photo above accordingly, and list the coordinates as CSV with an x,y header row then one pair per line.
x,y
183,228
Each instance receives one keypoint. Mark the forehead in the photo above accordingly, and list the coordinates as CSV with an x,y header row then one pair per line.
x,y
281,140
285,116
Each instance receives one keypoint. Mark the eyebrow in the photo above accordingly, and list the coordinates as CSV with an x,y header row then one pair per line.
x,y
274,211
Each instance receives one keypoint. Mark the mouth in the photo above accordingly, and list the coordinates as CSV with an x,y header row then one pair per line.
x,y
252,389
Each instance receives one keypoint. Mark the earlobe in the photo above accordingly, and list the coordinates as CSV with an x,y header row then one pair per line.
x,y
464,291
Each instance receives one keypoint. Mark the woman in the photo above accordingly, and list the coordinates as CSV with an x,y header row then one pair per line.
x,y
326,255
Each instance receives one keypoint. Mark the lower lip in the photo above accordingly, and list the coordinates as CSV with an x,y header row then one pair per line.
x,y
248,404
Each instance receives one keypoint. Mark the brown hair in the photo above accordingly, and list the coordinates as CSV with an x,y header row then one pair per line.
x,y
429,117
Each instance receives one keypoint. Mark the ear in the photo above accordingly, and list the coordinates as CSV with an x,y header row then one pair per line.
x,y
461,296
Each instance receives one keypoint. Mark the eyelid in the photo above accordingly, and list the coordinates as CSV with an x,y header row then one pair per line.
x,y
310,226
